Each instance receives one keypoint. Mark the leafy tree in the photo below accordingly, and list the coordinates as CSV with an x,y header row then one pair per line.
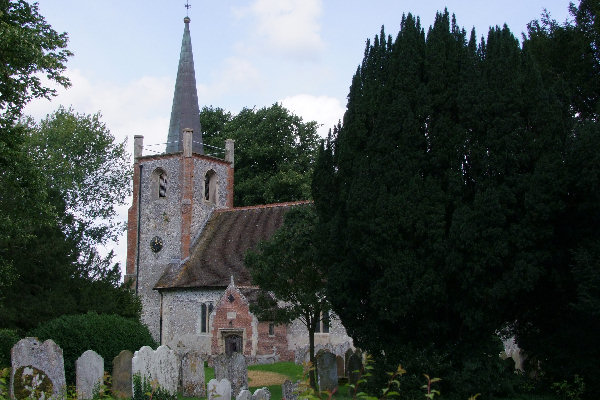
x,y
287,268
274,152
58,177
29,47
87,168
59,270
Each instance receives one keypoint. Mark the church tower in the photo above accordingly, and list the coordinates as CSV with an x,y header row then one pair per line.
x,y
174,193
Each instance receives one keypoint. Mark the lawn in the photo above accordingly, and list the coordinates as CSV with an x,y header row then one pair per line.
x,y
265,374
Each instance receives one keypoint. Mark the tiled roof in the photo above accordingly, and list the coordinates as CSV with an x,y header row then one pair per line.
x,y
220,251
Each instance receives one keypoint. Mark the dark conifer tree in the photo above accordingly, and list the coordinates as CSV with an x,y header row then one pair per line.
x,y
453,209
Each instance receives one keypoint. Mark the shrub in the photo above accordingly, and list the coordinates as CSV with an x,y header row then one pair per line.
x,y
8,338
107,335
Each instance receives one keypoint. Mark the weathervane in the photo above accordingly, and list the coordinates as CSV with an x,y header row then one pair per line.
x,y
187,7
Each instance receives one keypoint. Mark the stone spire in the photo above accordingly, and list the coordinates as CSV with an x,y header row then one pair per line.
x,y
185,112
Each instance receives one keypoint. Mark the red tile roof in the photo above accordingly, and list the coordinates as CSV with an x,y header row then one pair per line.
x,y
220,251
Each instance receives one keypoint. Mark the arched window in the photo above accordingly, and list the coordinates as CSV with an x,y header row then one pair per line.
x,y
159,183
210,187
205,310
323,324
162,185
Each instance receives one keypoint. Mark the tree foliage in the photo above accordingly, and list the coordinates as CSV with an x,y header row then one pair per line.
x,y
290,274
58,269
29,48
274,152
88,170
454,200
59,178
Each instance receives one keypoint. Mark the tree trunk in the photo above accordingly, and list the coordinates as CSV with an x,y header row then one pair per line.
x,y
311,350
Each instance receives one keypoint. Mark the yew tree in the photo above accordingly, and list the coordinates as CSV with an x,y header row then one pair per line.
x,y
457,201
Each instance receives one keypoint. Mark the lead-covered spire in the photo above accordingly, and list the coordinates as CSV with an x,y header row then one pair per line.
x,y
185,112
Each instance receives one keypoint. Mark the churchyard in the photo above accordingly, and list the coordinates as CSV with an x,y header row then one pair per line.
x,y
37,372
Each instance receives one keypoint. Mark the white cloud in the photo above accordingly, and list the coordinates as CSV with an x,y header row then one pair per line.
x,y
288,27
139,107
234,75
326,110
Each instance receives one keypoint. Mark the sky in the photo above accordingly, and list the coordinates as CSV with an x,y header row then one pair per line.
x,y
247,53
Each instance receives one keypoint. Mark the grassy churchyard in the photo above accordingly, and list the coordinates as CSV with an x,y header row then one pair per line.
x,y
272,376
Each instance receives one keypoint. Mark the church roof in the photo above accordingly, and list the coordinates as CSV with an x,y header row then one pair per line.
x,y
219,253
185,112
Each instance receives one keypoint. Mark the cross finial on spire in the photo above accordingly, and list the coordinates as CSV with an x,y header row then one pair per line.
x,y
187,7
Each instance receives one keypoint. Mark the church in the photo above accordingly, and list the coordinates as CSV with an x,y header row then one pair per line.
x,y
186,243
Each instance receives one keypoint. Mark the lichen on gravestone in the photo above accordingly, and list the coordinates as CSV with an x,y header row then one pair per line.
x,y
31,383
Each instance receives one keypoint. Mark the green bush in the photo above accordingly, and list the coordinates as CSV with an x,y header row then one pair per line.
x,y
107,335
8,338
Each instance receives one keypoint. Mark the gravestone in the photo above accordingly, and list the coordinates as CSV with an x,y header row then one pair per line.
x,y
340,366
160,367
354,369
38,370
219,389
327,372
289,390
347,355
244,395
121,375
234,369
192,375
141,362
262,394
165,369
89,372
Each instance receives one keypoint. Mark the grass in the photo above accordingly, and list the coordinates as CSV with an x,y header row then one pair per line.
x,y
294,372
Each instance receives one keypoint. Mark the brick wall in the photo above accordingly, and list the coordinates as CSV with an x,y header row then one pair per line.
x,y
276,342
233,317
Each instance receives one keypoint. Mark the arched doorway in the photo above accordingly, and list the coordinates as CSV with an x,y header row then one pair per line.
x,y
233,343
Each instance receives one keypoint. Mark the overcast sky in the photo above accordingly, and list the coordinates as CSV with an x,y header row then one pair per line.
x,y
247,53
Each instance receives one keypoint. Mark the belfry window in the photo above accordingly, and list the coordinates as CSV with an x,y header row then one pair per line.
x,y
205,310
159,183
210,187
162,185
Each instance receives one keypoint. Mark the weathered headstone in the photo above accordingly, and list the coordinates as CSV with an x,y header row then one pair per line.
x,y
165,369
219,389
89,372
244,395
192,375
121,375
141,361
347,355
327,372
340,365
234,369
38,370
289,390
262,394
160,366
354,369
